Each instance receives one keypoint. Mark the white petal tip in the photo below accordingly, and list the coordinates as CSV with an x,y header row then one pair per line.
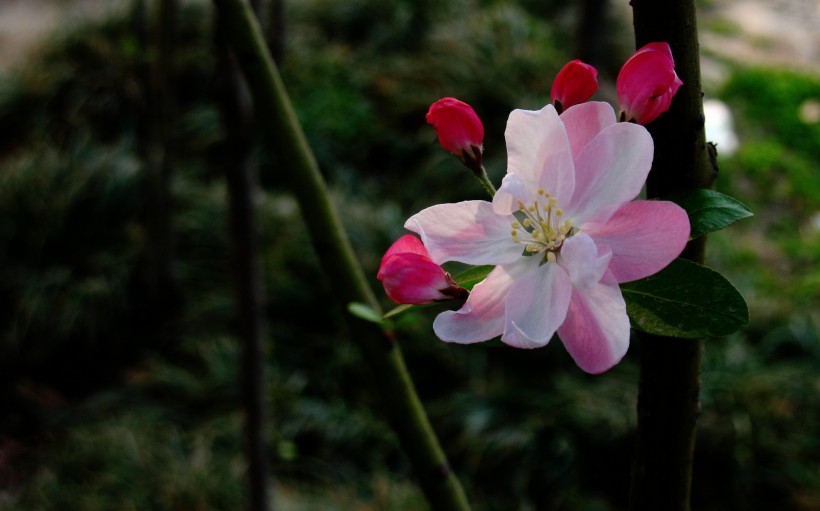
x,y
518,339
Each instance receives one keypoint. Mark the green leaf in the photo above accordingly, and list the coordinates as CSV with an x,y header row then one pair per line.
x,y
709,210
365,312
685,300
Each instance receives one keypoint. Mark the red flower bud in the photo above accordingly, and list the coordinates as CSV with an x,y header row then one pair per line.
x,y
646,84
409,275
458,127
574,84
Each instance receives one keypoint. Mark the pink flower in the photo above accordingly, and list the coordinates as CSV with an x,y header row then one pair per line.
x,y
647,82
562,232
409,276
574,84
458,127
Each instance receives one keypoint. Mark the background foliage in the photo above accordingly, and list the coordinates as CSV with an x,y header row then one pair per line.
x,y
109,403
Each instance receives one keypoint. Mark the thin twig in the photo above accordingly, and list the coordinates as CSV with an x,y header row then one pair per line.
x,y
275,114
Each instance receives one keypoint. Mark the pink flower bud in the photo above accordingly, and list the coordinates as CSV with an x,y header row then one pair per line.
x,y
574,84
458,127
647,83
409,275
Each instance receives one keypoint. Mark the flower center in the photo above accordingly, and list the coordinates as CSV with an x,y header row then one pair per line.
x,y
539,226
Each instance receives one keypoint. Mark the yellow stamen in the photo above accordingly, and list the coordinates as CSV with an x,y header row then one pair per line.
x,y
538,226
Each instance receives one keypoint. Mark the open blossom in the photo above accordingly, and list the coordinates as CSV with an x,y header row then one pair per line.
x,y
574,84
410,277
458,127
562,232
647,83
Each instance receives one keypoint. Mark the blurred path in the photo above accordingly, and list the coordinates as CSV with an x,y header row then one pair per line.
x,y
25,24
767,32
22,25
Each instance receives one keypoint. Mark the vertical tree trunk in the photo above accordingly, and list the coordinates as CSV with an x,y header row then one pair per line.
x,y
668,400
593,32
237,113
165,85
163,298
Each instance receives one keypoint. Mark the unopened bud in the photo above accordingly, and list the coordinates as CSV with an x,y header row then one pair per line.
x,y
409,276
647,83
574,84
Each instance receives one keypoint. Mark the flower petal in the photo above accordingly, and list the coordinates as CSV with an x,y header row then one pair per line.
x,y
644,237
583,261
469,232
538,150
482,316
596,329
514,188
609,172
583,122
536,305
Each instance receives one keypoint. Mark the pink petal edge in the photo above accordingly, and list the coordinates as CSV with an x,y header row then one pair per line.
x,y
644,236
596,330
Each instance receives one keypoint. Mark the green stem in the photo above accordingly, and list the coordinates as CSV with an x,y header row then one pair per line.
x,y
668,396
276,115
473,160
482,177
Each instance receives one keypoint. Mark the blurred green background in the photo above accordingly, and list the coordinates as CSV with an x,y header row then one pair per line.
x,y
118,394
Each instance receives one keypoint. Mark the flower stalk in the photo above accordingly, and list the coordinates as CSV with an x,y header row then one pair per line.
x,y
481,174
668,398
277,117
